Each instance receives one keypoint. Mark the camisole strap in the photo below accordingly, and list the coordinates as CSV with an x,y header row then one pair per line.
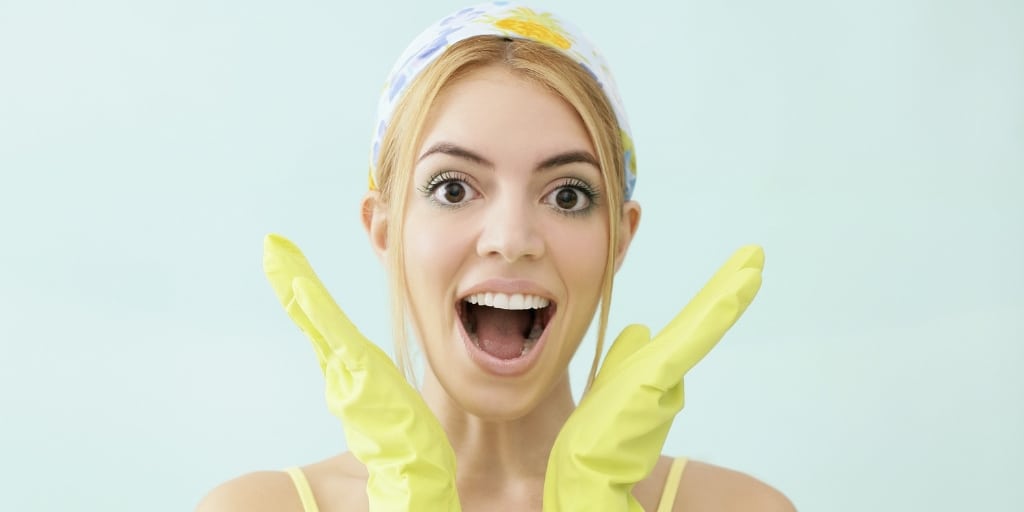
x,y
668,496
302,487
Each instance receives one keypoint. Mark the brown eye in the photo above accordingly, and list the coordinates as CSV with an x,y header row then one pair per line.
x,y
569,199
453,191
566,198
450,190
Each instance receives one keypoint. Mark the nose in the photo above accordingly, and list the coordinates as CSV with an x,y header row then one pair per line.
x,y
512,231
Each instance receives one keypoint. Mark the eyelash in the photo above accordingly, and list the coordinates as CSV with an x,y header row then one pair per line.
x,y
588,191
446,176
442,178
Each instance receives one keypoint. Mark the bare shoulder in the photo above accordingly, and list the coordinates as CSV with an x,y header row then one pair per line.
x,y
337,484
705,486
257,491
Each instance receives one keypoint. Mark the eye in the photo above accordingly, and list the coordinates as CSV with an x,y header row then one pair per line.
x,y
573,196
449,189
452,192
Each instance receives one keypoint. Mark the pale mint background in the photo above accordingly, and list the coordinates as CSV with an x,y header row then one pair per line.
x,y
875,149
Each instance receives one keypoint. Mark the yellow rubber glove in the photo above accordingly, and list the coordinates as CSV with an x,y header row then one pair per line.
x,y
387,425
615,436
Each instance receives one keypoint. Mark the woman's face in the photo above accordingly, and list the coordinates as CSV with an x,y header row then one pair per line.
x,y
505,240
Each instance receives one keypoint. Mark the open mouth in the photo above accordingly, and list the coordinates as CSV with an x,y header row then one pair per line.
x,y
505,326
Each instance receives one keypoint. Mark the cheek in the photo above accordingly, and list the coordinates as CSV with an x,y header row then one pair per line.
x,y
580,255
435,248
429,248
581,252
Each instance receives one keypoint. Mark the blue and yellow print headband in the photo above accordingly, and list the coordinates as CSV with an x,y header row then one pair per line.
x,y
504,19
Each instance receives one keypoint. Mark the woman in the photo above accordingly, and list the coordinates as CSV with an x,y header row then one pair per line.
x,y
499,201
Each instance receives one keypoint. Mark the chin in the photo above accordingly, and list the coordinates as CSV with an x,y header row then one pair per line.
x,y
486,396
499,410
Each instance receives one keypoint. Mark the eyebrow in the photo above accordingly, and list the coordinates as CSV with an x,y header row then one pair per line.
x,y
448,148
569,157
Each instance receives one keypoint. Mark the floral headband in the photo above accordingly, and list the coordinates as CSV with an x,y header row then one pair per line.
x,y
506,19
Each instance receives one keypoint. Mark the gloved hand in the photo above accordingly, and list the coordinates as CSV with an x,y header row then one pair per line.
x,y
387,424
614,437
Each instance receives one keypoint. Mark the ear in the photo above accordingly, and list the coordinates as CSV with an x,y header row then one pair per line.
x,y
373,213
628,224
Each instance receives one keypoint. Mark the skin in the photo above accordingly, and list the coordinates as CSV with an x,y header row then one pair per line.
x,y
509,225
506,221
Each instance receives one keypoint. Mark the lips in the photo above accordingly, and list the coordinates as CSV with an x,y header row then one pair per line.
x,y
504,333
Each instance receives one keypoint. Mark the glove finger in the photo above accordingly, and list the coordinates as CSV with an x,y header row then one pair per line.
x,y
721,283
687,339
749,256
631,339
339,335
282,263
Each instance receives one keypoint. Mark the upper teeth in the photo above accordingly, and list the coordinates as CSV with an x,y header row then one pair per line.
x,y
505,301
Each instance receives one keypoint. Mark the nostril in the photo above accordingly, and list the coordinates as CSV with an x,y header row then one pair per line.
x,y
511,235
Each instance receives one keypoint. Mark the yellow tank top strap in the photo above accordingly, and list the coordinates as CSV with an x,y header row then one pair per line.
x,y
302,487
668,496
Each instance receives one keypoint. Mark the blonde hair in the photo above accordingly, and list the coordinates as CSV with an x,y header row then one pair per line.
x,y
535,61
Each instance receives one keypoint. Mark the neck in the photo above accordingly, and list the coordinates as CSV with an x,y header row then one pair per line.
x,y
495,451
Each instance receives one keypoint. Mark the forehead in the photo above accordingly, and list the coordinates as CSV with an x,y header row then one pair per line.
x,y
494,110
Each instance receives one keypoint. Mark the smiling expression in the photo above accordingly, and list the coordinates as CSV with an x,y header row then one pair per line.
x,y
505,200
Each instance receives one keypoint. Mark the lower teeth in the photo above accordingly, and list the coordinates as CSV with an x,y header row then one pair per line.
x,y
531,339
526,347
535,332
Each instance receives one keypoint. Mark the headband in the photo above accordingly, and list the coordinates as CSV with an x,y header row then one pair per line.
x,y
506,19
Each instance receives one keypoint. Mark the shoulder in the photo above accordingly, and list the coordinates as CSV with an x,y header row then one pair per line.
x,y
257,491
705,486
337,483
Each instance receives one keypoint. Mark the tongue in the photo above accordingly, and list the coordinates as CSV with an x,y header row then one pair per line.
x,y
500,331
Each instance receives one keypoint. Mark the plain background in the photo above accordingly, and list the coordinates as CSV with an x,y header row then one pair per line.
x,y
875,149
